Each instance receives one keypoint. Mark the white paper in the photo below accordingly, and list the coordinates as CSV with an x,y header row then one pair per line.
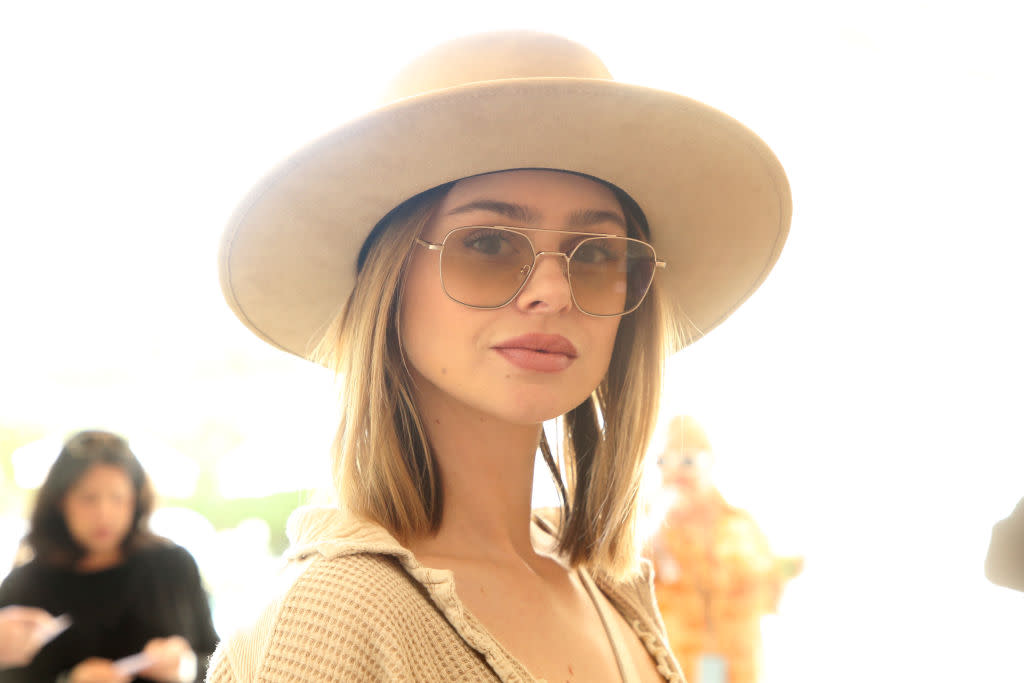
x,y
133,664
54,628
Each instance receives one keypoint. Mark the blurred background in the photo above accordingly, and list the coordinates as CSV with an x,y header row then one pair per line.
x,y
864,405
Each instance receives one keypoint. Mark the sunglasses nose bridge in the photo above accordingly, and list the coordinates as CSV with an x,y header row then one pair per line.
x,y
565,261
530,272
538,254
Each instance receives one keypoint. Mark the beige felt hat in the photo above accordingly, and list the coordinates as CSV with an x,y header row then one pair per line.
x,y
715,196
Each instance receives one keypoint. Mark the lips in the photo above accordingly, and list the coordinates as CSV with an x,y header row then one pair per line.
x,y
538,352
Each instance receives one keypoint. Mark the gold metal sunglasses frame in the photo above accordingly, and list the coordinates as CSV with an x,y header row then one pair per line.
x,y
439,247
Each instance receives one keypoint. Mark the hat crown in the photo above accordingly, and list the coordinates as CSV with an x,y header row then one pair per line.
x,y
715,197
496,56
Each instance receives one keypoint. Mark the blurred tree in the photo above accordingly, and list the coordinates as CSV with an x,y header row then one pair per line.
x,y
228,513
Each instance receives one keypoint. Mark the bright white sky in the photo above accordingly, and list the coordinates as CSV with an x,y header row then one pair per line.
x,y
865,404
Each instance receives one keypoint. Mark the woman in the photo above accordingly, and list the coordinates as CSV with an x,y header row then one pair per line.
x,y
483,246
715,572
124,590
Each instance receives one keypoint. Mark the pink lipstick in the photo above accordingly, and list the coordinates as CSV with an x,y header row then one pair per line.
x,y
538,352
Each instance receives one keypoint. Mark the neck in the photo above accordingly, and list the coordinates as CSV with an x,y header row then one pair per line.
x,y
486,469
98,561
696,504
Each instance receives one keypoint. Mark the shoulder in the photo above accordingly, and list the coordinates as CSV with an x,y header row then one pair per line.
x,y
342,608
21,582
165,553
633,594
733,517
373,586
343,617
166,560
23,571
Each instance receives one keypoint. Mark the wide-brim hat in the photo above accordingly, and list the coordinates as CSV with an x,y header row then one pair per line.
x,y
715,196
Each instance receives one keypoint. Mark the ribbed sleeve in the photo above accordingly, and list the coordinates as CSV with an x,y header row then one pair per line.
x,y
360,618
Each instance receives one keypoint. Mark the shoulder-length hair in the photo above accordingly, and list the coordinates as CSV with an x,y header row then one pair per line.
x,y
383,467
48,536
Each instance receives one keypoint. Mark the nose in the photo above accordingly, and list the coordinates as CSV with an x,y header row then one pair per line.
x,y
103,511
107,509
547,287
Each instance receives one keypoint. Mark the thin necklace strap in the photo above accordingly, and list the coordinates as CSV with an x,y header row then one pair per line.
x,y
622,658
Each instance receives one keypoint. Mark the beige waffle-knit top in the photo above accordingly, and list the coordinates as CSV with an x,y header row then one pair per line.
x,y
355,605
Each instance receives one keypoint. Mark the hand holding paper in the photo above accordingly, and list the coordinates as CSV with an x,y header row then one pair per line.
x,y
172,660
97,670
133,664
24,631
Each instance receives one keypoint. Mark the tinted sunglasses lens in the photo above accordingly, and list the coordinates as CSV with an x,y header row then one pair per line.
x,y
611,275
483,266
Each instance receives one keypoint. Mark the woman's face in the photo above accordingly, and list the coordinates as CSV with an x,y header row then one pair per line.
x,y
99,507
537,357
688,470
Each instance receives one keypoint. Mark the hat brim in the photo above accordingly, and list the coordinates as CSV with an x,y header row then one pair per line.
x,y
715,196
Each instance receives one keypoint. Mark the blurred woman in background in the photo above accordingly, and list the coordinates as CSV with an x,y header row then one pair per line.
x,y
715,572
125,591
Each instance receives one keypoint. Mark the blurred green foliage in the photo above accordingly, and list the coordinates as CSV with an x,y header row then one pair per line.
x,y
12,498
228,513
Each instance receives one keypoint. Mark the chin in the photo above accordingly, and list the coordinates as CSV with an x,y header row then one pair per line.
x,y
524,417
524,412
535,409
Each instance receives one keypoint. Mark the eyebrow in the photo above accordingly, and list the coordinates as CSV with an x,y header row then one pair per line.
x,y
586,217
516,212
581,218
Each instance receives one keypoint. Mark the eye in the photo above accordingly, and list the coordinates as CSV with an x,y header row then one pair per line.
x,y
489,242
596,252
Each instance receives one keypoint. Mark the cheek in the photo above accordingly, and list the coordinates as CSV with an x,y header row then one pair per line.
x,y
431,326
74,512
414,313
76,519
127,505
604,334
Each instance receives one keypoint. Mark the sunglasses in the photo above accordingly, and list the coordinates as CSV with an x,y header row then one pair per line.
x,y
679,459
487,266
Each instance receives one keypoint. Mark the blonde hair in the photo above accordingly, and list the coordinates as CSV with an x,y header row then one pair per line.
x,y
382,466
